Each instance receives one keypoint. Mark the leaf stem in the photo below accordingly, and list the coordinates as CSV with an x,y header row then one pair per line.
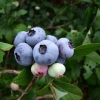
x,y
44,96
27,88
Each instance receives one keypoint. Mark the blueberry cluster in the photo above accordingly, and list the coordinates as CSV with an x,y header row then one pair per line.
x,y
35,46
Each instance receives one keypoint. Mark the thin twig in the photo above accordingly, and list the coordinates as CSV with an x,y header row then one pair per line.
x,y
22,2
9,71
58,26
59,13
44,97
27,88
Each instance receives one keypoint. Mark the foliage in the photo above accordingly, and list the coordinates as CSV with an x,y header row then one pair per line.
x,y
78,20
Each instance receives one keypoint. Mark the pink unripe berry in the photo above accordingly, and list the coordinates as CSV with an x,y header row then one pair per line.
x,y
14,86
39,70
56,69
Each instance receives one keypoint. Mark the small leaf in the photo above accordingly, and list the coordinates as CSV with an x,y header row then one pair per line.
x,y
88,66
22,12
98,72
9,36
88,72
83,50
58,94
24,77
44,90
5,46
20,27
96,38
1,55
73,92
76,37
94,56
63,79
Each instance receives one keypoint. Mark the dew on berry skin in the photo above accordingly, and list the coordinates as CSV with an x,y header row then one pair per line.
x,y
17,56
42,49
31,32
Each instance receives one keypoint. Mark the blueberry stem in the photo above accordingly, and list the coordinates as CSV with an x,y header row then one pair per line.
x,y
27,88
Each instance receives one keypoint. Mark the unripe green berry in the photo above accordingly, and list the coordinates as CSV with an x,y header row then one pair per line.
x,y
14,86
56,69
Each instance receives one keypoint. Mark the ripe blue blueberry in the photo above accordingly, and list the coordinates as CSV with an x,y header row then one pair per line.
x,y
60,60
35,35
20,38
51,38
45,52
23,54
65,46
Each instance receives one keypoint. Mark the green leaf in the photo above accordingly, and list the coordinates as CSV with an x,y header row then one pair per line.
x,y
9,36
88,66
76,37
20,27
88,72
5,46
94,57
83,50
48,4
44,90
98,72
92,80
89,1
1,55
90,15
97,21
73,92
95,93
63,79
87,39
58,94
90,63
22,12
96,38
24,77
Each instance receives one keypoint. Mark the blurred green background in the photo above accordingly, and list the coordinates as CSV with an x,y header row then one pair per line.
x,y
74,19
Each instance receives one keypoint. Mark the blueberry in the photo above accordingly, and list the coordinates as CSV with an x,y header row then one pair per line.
x,y
60,60
51,38
66,49
35,35
23,54
20,38
45,52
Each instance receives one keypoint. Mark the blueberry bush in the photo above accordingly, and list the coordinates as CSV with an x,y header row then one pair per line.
x,y
49,49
